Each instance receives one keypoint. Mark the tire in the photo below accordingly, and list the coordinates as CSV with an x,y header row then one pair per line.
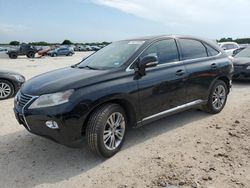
x,y
70,54
7,90
212,106
53,55
100,123
31,55
13,55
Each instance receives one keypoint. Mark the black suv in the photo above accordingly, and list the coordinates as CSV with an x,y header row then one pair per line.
x,y
24,49
126,84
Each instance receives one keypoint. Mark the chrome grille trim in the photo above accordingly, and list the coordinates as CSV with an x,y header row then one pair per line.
x,y
23,101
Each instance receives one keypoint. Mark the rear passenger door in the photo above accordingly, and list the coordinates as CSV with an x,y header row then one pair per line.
x,y
163,86
198,58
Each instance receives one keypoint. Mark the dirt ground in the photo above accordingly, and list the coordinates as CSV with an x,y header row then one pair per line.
x,y
190,149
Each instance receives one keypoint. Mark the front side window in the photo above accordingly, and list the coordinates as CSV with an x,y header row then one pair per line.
x,y
113,55
192,49
165,50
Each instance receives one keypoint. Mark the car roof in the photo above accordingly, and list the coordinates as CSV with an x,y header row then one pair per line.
x,y
151,38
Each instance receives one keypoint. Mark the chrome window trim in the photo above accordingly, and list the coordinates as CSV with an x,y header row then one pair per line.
x,y
202,58
128,69
173,110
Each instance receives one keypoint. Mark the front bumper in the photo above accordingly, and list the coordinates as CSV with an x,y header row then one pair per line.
x,y
241,73
70,123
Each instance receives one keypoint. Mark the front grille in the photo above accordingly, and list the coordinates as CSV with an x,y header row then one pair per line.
x,y
23,99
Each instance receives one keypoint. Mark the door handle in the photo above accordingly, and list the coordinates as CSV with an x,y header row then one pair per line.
x,y
180,72
213,66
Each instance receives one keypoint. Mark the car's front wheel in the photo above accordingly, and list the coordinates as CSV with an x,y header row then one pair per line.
x,y
6,89
106,130
217,98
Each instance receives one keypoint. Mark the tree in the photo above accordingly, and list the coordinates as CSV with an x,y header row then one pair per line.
x,y
67,42
41,43
14,43
226,40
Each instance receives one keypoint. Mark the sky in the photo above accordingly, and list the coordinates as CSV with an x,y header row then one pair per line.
x,y
111,20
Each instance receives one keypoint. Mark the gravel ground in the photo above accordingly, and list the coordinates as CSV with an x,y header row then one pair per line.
x,y
190,149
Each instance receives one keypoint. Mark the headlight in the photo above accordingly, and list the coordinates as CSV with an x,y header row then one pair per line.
x,y
248,68
19,78
52,99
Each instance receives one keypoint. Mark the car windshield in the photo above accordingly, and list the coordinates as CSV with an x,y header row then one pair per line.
x,y
244,53
112,56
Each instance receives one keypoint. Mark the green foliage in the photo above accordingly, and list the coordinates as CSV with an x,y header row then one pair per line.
x,y
243,41
14,43
239,41
67,42
41,43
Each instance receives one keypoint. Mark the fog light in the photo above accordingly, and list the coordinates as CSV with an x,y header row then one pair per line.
x,y
52,124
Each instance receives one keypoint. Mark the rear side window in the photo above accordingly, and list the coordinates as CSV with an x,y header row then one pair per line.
x,y
166,50
211,51
229,46
192,49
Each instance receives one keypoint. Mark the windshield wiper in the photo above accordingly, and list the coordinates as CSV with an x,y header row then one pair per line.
x,y
87,66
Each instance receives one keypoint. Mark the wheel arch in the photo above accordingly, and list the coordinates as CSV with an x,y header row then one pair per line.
x,y
224,79
227,82
124,103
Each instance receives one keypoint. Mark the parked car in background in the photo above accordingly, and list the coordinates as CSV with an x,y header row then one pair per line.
x,y
3,49
95,48
3,52
80,48
238,50
10,83
229,47
24,49
125,84
241,63
88,48
63,51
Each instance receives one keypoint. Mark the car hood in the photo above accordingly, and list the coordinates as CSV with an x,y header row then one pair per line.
x,y
241,61
61,80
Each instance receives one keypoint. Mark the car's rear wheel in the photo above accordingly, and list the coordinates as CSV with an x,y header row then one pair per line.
x,y
217,98
31,55
106,130
6,89
54,55
70,54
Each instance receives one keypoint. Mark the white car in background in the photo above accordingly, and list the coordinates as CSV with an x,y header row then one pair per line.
x,y
3,52
229,47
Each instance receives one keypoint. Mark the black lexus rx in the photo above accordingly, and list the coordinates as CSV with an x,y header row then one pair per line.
x,y
126,84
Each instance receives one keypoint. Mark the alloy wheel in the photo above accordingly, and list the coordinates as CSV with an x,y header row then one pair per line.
x,y
5,90
219,97
114,131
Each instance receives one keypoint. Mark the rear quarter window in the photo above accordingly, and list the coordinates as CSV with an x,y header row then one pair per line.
x,y
211,51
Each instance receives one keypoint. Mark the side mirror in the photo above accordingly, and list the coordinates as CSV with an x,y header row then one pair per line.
x,y
150,60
